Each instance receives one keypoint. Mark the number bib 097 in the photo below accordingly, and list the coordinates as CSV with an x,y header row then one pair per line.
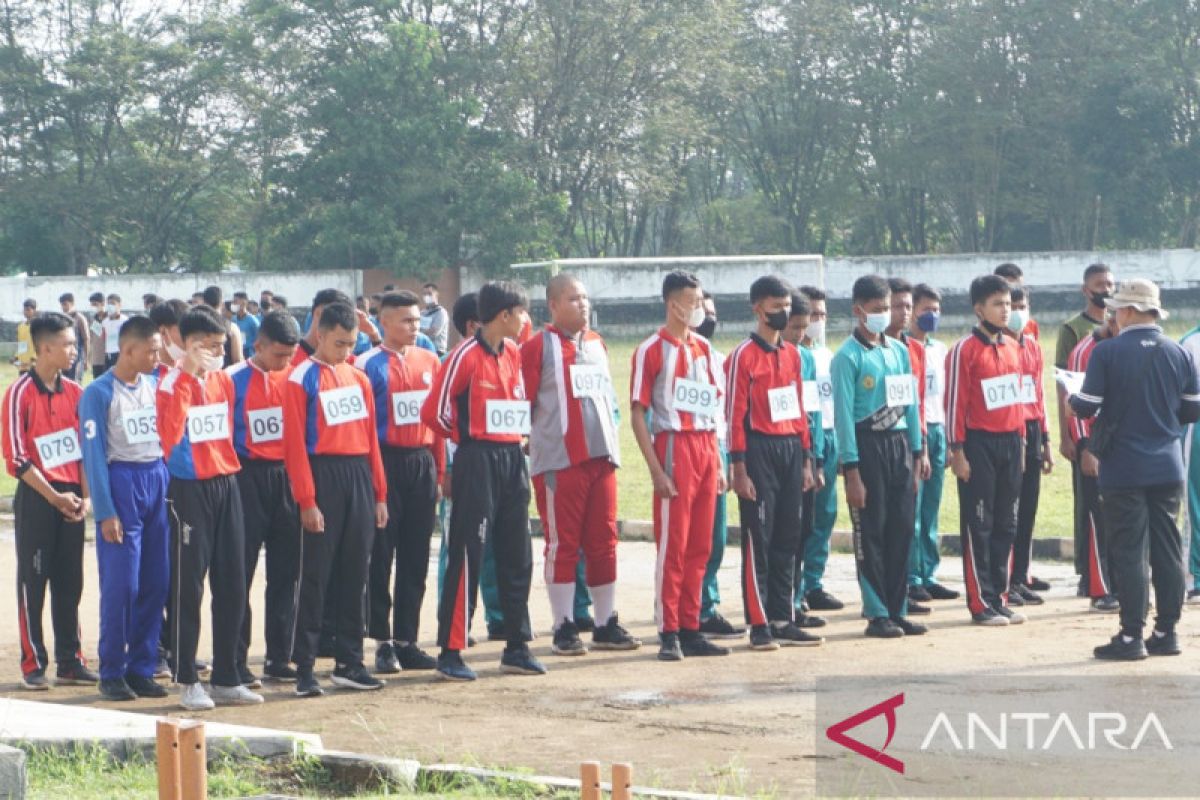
x,y
343,405
141,426
266,424
508,417
406,407
589,380
1001,391
784,403
900,390
695,397
208,423
58,448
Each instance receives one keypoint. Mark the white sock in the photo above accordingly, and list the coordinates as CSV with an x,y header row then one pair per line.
x,y
562,602
604,600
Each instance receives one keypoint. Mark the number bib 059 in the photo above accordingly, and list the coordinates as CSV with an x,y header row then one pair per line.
x,y
900,390
141,426
1001,391
58,448
343,405
508,417
406,407
208,423
784,403
695,397
266,424
589,380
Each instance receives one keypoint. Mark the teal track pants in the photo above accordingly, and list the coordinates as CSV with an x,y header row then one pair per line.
x,y
816,548
924,557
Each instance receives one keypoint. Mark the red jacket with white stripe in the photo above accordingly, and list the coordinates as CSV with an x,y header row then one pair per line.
x,y
33,410
1032,365
659,363
764,393
1081,427
473,377
179,395
983,371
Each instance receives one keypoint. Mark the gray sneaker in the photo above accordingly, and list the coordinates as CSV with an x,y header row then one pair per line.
x,y
194,698
235,696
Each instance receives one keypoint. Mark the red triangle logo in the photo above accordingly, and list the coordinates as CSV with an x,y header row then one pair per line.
x,y
837,732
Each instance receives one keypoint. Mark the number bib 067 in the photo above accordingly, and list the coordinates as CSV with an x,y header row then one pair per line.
x,y
141,426
695,397
343,405
900,390
508,417
589,380
784,403
208,423
266,424
406,407
1001,391
58,448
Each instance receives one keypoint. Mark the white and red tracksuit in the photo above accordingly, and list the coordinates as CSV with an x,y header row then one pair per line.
x,y
669,372
1096,575
573,457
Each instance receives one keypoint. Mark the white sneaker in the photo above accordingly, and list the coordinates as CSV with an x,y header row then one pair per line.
x,y
235,696
194,698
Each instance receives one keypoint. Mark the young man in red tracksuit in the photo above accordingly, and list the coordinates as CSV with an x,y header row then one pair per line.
x,y
272,521
1039,459
675,377
574,454
770,449
42,450
479,401
414,461
985,424
195,424
331,449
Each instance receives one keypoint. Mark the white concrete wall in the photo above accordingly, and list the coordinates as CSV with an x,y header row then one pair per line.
x,y
297,287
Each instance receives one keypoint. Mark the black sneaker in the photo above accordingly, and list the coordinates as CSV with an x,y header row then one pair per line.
x,y
75,674
821,600
117,690
668,649
471,641
1120,650
718,627
585,624
307,684
386,662
611,636
1027,595
1193,596
496,632
1015,599
203,667
761,638
567,641
1106,605
280,672
248,679
1037,584
790,635
1165,645
883,628
804,620
989,618
910,628
939,592
412,657
1013,617
695,644
144,687
355,676
450,667
917,608
519,660
919,593
35,681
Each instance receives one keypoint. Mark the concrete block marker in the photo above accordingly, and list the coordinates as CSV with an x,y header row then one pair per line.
x,y
360,769
13,780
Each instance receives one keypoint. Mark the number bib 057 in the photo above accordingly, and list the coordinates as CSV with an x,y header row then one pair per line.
x,y
406,407
1001,391
266,424
508,417
208,423
589,380
695,397
343,405
900,390
141,426
58,448
784,403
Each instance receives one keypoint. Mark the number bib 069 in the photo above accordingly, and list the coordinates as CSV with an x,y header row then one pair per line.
x,y
208,423
343,405
406,407
784,403
695,397
141,426
900,390
1001,391
58,448
508,417
589,380
266,424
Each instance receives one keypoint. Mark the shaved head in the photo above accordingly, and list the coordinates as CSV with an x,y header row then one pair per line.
x,y
558,284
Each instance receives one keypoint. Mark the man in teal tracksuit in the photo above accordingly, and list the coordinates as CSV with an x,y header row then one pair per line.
x,y
1191,443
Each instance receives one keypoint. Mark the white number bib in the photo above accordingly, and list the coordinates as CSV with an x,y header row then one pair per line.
x,y
508,416
811,396
58,448
589,380
406,407
784,403
266,424
933,385
900,390
141,426
1001,391
695,397
343,405
825,388
208,423
1072,382
1028,390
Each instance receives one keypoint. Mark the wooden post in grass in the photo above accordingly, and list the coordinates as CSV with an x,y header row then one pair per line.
x,y
193,761
589,780
167,753
622,782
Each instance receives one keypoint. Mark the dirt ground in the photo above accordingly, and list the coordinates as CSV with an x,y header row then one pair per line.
x,y
739,725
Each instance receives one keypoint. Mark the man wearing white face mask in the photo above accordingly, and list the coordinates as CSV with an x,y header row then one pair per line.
x,y
166,316
111,324
435,322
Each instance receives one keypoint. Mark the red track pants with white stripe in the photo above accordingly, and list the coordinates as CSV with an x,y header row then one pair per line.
x,y
578,507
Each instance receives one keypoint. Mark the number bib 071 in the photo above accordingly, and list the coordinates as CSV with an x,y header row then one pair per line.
x,y
900,390
508,417
343,405
141,426
695,397
589,380
1001,391
406,407
208,423
266,424
58,448
784,403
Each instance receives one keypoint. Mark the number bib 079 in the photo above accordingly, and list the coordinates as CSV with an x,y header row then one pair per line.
x,y
406,407
343,405
58,448
508,417
900,390
589,380
141,426
266,424
784,403
1001,391
695,397
208,423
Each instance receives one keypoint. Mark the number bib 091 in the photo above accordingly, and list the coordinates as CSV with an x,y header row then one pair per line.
x,y
695,397
141,426
1001,391
266,424
589,380
508,417
406,407
784,403
208,423
343,405
58,448
900,390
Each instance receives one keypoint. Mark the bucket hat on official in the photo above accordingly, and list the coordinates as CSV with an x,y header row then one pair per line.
x,y
1138,293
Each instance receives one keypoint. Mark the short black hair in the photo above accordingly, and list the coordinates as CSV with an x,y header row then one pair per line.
x,y
429,286
1009,271
115,296
985,286
168,313
199,295
923,291
496,297
29,303
279,327
279,300
96,297
466,310
812,292
150,299
212,296
800,305
769,286
240,296
338,315
202,320
66,297
1018,294
870,287
265,291
899,286
139,327
327,297
1095,269
48,324
678,279
401,299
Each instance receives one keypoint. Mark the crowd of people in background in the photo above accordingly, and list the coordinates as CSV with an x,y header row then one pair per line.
x,y
212,430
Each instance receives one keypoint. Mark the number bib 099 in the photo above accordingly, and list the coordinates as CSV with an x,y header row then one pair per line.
x,y
58,448
208,423
406,407
695,397
784,403
589,380
266,424
900,390
141,426
1001,391
343,405
508,417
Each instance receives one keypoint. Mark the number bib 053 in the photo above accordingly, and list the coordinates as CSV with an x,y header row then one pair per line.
x,y
208,423
343,405
508,417
141,426
266,424
695,397
1001,391
406,407
58,448
900,390
784,403
589,380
